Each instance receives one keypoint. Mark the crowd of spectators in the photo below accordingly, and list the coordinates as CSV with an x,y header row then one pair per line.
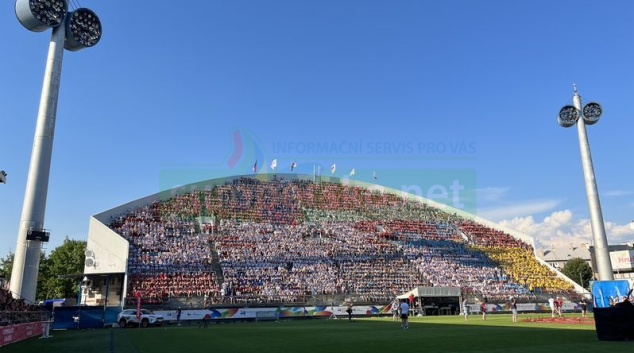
x,y
17,310
515,257
525,270
177,284
479,234
167,255
298,238
8,303
327,258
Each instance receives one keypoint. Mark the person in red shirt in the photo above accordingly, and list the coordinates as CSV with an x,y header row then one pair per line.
x,y
483,307
558,304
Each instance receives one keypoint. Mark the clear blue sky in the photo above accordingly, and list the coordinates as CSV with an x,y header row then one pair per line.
x,y
389,86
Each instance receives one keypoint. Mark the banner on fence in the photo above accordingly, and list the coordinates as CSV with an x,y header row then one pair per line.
x,y
14,333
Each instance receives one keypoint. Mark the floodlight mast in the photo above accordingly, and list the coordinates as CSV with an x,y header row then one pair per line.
x,y
37,16
589,115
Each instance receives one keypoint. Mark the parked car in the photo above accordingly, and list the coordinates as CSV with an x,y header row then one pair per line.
x,y
128,318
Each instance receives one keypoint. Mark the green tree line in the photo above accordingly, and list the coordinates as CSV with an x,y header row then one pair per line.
x,y
66,259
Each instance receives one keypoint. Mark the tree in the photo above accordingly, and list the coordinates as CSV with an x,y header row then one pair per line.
x,y
578,270
66,259
6,266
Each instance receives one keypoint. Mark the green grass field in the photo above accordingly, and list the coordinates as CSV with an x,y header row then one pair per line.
x,y
426,334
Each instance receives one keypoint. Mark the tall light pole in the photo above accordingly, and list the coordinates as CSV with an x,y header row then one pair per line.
x,y
72,31
570,115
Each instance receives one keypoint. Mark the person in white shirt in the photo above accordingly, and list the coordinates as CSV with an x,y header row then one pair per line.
x,y
551,303
395,309
404,314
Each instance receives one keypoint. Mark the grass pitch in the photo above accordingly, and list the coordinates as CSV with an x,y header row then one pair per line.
x,y
425,334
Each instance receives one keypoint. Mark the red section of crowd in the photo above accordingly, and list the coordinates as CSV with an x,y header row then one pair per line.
x,y
479,234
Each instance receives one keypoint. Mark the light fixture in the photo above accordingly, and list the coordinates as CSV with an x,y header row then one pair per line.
x,y
591,113
83,30
568,116
40,15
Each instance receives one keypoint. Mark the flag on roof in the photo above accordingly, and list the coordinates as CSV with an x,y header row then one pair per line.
x,y
255,166
333,168
274,164
374,175
293,165
352,172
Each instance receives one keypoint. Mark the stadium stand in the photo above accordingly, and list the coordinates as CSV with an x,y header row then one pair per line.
x,y
249,240
16,311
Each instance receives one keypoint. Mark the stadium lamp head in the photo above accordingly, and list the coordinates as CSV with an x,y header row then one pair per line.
x,y
83,30
40,15
568,116
83,27
591,113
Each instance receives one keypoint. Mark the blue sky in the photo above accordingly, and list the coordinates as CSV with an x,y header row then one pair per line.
x,y
426,91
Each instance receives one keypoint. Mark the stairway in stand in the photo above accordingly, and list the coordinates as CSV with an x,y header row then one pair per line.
x,y
215,264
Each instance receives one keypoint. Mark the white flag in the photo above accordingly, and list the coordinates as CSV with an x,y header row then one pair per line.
x,y
274,164
352,172
333,168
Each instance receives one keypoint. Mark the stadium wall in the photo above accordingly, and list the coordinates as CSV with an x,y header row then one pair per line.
x,y
109,248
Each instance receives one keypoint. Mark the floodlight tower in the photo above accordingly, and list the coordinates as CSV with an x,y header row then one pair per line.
x,y
72,31
568,116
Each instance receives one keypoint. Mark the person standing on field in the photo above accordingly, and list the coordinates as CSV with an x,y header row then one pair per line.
x,y
584,307
514,308
559,303
483,307
404,314
551,303
395,309
349,311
